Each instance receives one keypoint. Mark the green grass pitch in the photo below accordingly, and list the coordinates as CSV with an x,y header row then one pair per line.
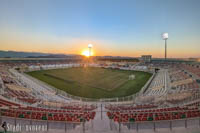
x,y
93,82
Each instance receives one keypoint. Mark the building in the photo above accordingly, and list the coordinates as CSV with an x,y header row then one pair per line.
x,y
146,58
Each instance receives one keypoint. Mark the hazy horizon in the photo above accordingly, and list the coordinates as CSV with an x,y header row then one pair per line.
x,y
116,28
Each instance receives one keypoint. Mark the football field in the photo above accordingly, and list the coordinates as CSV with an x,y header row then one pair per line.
x,y
93,82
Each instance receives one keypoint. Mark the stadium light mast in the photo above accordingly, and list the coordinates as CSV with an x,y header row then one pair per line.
x,y
90,49
165,36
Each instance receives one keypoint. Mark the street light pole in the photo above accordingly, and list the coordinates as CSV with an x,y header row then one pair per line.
x,y
165,37
165,49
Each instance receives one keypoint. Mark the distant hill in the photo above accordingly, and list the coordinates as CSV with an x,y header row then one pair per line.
x,y
15,54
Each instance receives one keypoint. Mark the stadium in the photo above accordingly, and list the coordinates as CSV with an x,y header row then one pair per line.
x,y
99,66
167,98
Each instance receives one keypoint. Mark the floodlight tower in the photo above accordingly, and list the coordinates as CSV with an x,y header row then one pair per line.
x,y
165,37
90,49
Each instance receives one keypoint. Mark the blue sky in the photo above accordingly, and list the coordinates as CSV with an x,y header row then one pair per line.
x,y
115,27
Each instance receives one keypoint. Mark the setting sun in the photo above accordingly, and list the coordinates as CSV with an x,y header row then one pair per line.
x,y
86,53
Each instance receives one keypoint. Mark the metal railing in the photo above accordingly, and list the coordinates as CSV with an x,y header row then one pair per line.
x,y
167,125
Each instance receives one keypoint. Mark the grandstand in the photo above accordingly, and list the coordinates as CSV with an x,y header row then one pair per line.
x,y
168,102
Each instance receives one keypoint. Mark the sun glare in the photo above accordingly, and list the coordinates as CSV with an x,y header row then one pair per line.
x,y
86,53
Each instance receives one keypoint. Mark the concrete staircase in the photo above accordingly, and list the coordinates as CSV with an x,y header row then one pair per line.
x,y
100,124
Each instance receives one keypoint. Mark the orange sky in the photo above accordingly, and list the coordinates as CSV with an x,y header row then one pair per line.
x,y
45,43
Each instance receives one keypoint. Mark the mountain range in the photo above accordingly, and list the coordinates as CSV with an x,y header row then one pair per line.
x,y
16,54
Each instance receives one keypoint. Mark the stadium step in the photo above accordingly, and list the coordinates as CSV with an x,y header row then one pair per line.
x,y
99,125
